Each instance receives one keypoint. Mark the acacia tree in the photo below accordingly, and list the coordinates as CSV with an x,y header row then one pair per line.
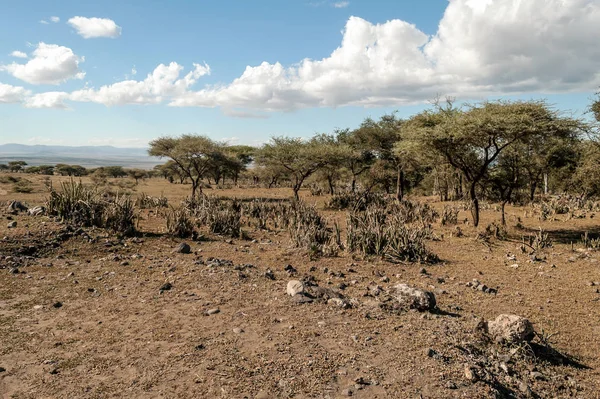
x,y
298,157
471,138
193,154
357,159
16,166
381,137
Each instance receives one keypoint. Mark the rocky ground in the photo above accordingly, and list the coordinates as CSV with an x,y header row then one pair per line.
x,y
85,314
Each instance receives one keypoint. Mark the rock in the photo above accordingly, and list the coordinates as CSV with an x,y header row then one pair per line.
x,y
414,298
57,305
13,270
165,287
238,330
301,298
451,385
508,328
37,211
2,369
470,373
269,274
294,287
15,206
183,248
12,225
290,269
347,392
213,311
338,302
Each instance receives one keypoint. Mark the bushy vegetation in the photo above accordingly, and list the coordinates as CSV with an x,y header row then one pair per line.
x,y
86,206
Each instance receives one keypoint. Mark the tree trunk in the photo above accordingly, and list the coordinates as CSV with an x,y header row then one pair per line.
x,y
532,188
296,189
353,183
475,205
400,184
330,183
503,214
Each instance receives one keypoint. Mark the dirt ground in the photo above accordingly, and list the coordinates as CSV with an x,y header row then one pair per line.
x,y
81,319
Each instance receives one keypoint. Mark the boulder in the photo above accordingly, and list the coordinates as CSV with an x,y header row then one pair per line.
x,y
15,207
510,328
294,287
183,248
414,298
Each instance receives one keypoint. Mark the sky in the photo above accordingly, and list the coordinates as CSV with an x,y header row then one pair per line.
x,y
125,72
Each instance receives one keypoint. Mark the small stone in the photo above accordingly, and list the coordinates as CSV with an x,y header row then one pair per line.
x,y
54,371
451,385
2,369
430,352
165,287
290,269
238,330
347,392
57,305
183,248
13,270
269,274
213,311
470,373
12,224
294,287
423,271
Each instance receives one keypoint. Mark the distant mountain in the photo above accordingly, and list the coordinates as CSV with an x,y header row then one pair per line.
x,y
88,156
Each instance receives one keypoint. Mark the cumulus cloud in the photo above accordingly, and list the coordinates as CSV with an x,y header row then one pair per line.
x,y
163,82
51,64
482,47
18,54
55,19
50,99
12,94
95,27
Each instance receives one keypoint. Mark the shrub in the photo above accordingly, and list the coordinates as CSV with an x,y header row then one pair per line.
x,y
22,186
145,201
179,222
449,216
85,206
309,230
355,200
394,233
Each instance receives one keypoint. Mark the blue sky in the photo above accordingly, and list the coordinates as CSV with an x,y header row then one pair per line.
x,y
313,65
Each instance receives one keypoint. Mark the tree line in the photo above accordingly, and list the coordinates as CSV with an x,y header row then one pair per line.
x,y
505,151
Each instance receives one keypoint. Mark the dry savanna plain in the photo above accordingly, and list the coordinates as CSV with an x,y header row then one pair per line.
x,y
87,313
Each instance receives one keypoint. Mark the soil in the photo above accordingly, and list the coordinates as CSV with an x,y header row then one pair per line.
x,y
85,314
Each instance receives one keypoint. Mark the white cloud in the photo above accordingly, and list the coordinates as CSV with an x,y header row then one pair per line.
x,y
55,19
482,48
51,64
50,99
164,82
95,27
341,4
133,71
12,94
44,22
18,54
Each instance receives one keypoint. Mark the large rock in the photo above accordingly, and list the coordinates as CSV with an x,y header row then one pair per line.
x,y
295,287
510,328
15,207
414,298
